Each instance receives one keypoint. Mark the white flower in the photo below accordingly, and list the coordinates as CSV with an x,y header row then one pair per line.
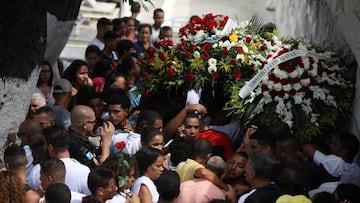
x,y
280,107
299,70
212,69
240,56
296,86
280,73
267,97
298,97
319,93
211,61
314,118
245,48
196,54
305,82
270,84
277,86
287,87
294,74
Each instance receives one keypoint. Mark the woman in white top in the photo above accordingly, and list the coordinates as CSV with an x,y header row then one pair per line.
x,y
150,162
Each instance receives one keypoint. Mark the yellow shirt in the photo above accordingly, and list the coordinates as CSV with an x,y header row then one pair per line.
x,y
186,169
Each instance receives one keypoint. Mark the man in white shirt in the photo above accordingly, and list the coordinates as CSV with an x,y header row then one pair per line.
x,y
103,25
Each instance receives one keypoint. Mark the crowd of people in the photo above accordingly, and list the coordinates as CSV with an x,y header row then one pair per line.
x,y
91,137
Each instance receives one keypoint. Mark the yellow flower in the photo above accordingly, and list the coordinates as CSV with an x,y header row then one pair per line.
x,y
233,37
225,65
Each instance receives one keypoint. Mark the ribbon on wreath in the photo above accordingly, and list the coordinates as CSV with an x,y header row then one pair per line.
x,y
255,81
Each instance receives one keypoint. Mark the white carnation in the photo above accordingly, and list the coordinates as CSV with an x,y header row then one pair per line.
x,y
212,69
277,86
305,82
211,61
196,54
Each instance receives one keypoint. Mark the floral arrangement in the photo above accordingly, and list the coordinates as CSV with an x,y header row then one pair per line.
x,y
305,92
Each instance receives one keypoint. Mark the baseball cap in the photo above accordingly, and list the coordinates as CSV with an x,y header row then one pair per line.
x,y
62,86
293,199
334,165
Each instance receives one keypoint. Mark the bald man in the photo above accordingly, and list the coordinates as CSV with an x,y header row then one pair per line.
x,y
30,133
83,120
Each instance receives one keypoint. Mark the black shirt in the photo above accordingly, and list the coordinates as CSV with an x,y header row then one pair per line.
x,y
81,149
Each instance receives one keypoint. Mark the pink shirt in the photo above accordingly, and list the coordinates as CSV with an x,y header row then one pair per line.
x,y
199,191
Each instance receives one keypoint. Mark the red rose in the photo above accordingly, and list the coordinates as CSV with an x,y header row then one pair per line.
x,y
272,76
180,47
225,51
205,55
289,69
313,82
150,60
144,94
191,47
292,92
214,75
157,44
237,74
284,81
272,42
120,145
187,53
262,48
248,39
170,72
305,89
206,46
281,93
233,63
190,76
183,41
264,87
239,49
147,76
294,80
162,56
311,60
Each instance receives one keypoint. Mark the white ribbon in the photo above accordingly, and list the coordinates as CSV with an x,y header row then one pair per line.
x,y
255,81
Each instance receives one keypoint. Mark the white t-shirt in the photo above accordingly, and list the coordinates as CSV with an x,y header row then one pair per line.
x,y
76,176
118,198
34,177
30,159
143,180
98,43
75,198
132,142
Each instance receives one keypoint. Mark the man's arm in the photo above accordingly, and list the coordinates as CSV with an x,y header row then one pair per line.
x,y
106,133
210,176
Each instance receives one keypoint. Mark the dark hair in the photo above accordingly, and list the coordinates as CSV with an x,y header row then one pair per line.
x,y
164,29
148,133
145,157
350,143
99,177
261,164
279,130
58,193
124,45
263,139
74,67
135,7
58,137
92,49
15,157
201,148
127,66
180,150
110,35
349,192
158,10
117,21
48,111
102,22
323,197
55,168
145,25
147,119
293,179
102,68
110,79
116,96
168,185
50,81
242,154
85,93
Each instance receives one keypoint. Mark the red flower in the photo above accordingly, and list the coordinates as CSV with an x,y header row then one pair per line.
x,y
292,92
144,94
289,69
237,74
233,63
205,55
248,39
191,47
147,76
305,89
150,60
170,72
120,145
284,81
206,46
281,93
187,53
138,62
183,41
190,76
225,50
214,75
180,47
313,81
294,80
162,56
264,87
262,48
239,49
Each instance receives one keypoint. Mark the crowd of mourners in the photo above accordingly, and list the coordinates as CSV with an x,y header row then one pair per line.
x,y
91,137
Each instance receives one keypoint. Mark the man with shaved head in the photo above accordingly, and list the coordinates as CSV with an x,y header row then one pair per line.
x,y
83,120
30,133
